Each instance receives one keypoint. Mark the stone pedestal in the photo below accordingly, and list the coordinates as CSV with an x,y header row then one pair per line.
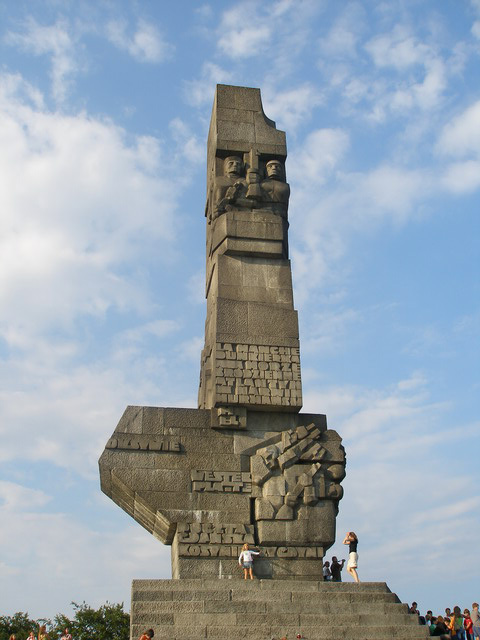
x,y
207,489
265,609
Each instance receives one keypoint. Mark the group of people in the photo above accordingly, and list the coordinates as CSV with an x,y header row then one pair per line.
x,y
333,571
42,634
454,625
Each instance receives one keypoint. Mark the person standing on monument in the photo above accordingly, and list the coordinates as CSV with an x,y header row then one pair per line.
x,y
352,540
336,569
327,574
245,560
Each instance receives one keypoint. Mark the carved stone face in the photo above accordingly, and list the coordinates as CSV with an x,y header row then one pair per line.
x,y
233,166
274,170
271,457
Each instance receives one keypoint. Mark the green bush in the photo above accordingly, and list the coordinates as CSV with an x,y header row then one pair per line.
x,y
109,622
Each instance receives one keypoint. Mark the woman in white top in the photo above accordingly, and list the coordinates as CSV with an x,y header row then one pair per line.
x,y
245,560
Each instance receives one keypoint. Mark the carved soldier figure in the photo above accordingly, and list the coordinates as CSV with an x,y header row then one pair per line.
x,y
275,191
230,189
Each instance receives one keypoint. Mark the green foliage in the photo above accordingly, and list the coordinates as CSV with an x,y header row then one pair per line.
x,y
19,624
60,623
109,622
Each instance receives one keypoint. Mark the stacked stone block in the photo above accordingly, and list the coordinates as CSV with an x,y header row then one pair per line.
x,y
246,467
266,609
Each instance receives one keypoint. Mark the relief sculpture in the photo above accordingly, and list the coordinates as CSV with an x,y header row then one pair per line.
x,y
246,466
292,471
251,185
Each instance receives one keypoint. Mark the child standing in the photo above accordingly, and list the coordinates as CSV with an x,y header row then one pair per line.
x,y
468,624
245,560
327,574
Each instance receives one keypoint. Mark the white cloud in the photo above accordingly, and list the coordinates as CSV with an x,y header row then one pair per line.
x,y
340,42
191,349
244,39
461,136
425,94
200,92
157,328
319,156
188,142
398,444
245,42
350,203
17,497
342,39
328,331
292,107
55,550
276,32
398,49
462,177
146,44
72,253
55,41
392,191
421,73
196,287
67,224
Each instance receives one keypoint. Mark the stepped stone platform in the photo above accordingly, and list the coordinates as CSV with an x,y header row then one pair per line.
x,y
265,609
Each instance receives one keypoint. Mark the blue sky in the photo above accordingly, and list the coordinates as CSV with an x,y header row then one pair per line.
x,y
104,113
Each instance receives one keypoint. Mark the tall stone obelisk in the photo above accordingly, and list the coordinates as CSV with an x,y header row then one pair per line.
x,y
251,356
246,466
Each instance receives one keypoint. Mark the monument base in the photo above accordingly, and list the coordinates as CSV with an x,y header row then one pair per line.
x,y
213,608
207,482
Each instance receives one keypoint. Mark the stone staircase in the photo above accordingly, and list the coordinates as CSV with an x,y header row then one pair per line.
x,y
266,609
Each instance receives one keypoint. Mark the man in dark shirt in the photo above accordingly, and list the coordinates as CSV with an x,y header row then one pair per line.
x,y
336,569
413,609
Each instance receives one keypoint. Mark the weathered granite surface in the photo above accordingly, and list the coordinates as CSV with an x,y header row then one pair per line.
x,y
232,609
246,466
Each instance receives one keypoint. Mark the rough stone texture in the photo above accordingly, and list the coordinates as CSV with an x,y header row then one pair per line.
x,y
246,458
210,608
278,481
249,285
246,466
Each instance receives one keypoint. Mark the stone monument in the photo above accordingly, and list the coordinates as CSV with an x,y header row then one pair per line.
x,y
246,466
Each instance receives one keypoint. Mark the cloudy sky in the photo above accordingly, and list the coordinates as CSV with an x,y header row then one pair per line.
x,y
104,113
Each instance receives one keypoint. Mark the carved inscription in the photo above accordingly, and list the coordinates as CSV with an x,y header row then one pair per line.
x,y
222,481
233,551
230,417
208,533
256,374
144,443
